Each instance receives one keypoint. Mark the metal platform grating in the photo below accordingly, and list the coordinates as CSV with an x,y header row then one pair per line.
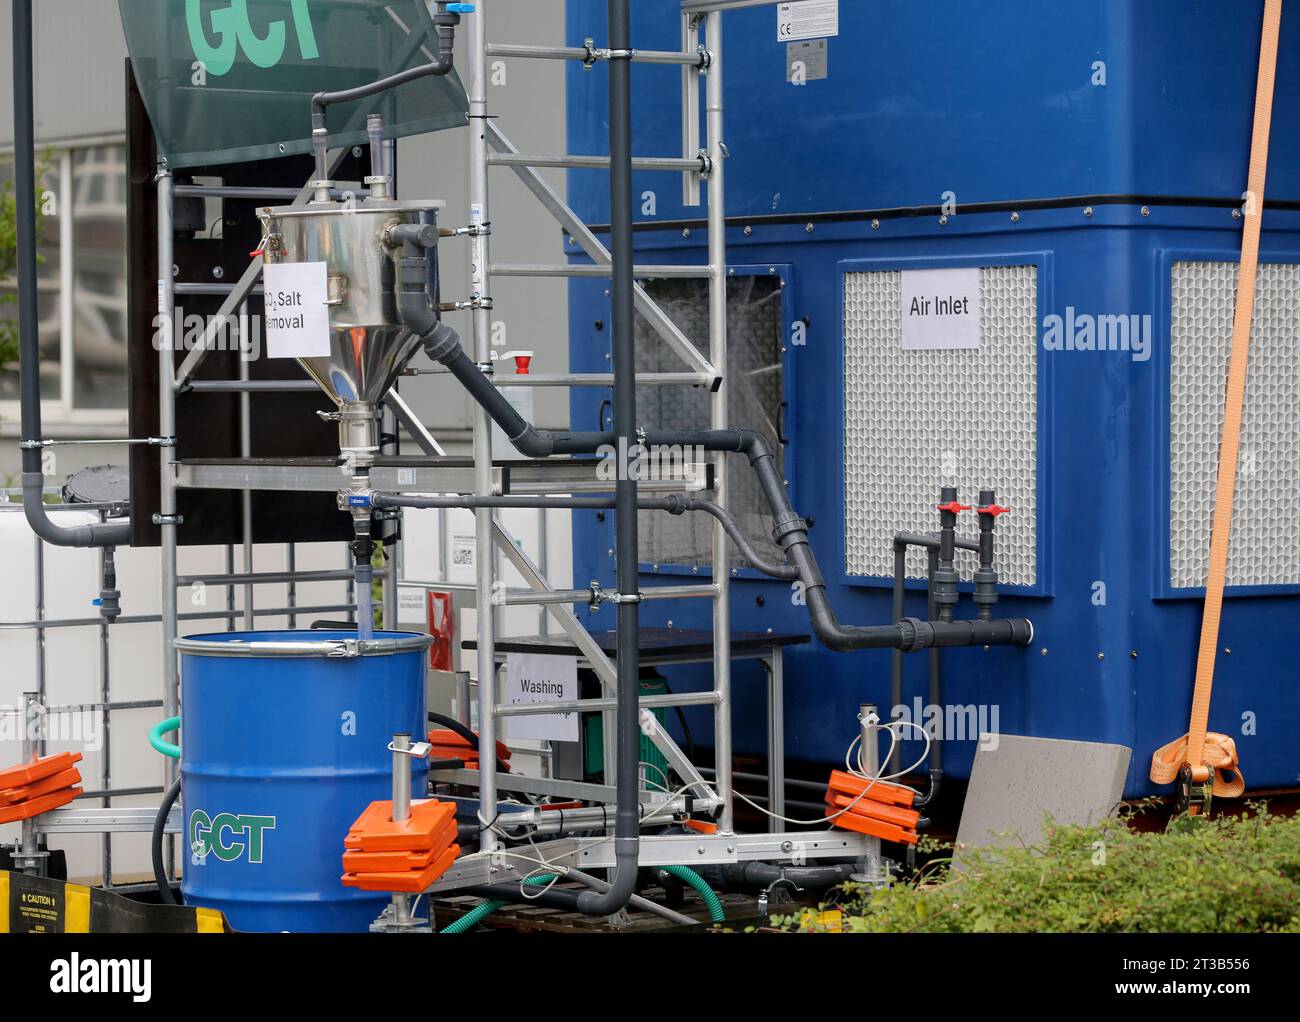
x,y
1202,299
916,420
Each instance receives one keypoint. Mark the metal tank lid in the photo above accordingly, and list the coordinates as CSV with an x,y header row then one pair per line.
x,y
367,206
330,645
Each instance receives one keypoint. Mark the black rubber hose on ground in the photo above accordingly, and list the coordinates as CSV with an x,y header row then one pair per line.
x,y
156,844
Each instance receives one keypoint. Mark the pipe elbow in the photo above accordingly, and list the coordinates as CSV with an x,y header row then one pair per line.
x,y
91,535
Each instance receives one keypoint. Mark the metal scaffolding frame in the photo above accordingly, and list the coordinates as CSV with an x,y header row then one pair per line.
x,y
701,165
702,162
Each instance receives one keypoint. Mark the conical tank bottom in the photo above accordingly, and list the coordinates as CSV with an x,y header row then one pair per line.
x,y
363,363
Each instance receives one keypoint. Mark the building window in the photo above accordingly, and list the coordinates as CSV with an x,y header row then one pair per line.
x,y
81,284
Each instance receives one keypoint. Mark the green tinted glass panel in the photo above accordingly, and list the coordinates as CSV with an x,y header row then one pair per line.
x,y
232,80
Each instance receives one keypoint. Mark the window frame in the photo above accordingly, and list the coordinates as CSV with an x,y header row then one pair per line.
x,y
61,416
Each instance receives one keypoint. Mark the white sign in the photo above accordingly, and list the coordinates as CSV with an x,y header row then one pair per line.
x,y
297,319
808,19
941,309
538,678
461,567
411,606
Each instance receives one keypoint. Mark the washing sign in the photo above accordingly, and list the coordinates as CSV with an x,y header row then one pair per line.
x,y
297,321
538,678
941,309
807,19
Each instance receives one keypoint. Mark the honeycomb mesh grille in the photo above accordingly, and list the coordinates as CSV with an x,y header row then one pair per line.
x,y
1262,550
754,399
917,420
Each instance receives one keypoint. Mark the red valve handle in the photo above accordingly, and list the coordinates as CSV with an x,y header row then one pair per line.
x,y
994,510
952,506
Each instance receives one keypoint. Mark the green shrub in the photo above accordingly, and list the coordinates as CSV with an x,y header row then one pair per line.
x,y
1228,874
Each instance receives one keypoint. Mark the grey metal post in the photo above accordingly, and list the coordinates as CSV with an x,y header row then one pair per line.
x,y
167,456
40,629
718,419
401,809
106,739
29,859
246,497
868,718
776,737
484,553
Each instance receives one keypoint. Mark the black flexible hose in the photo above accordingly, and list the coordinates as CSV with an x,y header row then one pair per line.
x,y
452,724
156,844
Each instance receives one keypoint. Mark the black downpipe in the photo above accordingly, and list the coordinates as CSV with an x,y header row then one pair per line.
x,y
29,347
627,825
443,346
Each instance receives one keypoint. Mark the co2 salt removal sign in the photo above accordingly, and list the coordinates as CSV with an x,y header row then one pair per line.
x,y
297,320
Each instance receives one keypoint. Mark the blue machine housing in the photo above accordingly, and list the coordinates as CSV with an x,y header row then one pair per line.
x,y
999,105
279,756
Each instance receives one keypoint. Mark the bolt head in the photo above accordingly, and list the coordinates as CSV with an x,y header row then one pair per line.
x,y
1087,211
748,230
1146,210
1015,218
1043,651
875,225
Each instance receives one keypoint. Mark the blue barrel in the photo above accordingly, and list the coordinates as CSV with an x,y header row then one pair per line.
x,y
284,741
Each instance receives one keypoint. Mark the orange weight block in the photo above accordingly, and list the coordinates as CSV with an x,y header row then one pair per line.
x,y
907,819
38,769
404,881
375,830
55,782
879,791
36,806
875,828
358,861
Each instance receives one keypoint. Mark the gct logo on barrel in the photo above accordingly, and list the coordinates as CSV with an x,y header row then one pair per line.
x,y
228,836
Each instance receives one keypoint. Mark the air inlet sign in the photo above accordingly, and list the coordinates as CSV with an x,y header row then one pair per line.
x,y
941,309
808,19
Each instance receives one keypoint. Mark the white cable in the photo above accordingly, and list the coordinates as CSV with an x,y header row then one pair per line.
x,y
861,772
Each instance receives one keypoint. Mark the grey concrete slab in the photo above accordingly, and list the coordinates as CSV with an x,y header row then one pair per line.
x,y
1016,780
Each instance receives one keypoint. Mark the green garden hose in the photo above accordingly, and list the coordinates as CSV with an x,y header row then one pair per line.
x,y
484,909
689,877
157,741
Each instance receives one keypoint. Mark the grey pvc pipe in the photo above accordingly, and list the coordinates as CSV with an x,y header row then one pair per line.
x,y
29,352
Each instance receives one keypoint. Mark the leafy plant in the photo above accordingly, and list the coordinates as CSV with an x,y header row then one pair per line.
x,y
1228,874
9,259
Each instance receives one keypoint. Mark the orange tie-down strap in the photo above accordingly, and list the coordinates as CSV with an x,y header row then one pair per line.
x,y
1205,753
1218,754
